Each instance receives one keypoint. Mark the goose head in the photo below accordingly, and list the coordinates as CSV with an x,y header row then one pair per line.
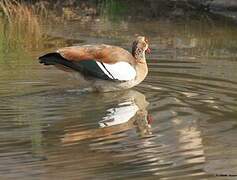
x,y
140,47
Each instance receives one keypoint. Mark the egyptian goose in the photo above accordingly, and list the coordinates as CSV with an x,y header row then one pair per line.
x,y
103,67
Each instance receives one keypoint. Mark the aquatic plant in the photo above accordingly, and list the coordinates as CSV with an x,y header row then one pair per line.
x,y
22,22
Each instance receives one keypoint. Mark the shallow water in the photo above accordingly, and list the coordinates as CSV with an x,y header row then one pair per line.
x,y
180,123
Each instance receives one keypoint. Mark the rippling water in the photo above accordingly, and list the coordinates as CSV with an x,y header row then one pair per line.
x,y
180,123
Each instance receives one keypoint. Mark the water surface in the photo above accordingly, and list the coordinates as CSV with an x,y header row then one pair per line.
x,y
180,123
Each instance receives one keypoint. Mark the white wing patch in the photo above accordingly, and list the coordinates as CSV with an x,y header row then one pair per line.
x,y
122,71
119,115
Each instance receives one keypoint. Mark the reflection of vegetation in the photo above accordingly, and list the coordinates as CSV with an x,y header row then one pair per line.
x,y
22,25
112,8
22,21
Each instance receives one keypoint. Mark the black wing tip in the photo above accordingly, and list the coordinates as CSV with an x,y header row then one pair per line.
x,y
49,58
50,55
41,59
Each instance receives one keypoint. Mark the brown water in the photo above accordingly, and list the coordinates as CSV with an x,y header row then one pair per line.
x,y
180,123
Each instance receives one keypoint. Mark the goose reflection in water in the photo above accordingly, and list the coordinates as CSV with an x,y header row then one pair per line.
x,y
127,113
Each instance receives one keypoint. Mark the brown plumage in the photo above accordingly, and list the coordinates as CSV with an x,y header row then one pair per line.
x,y
103,53
104,67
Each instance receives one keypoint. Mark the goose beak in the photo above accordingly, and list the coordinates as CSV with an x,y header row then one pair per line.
x,y
148,51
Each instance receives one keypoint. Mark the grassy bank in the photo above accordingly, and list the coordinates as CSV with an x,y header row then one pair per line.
x,y
22,22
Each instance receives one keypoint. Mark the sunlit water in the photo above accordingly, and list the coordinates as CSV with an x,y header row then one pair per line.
x,y
180,123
